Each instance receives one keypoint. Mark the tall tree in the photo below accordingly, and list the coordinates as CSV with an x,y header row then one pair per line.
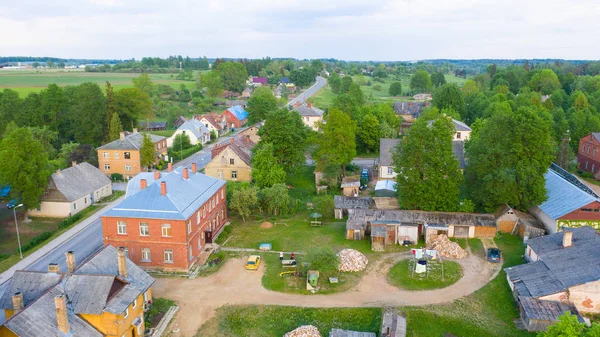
x,y
144,84
545,82
86,113
132,104
10,105
450,97
287,133
233,75
111,105
420,82
53,105
438,79
563,157
337,144
356,93
277,199
395,89
346,83
115,128
367,134
23,166
429,177
244,201
508,157
260,104
147,153
212,82
266,171
335,83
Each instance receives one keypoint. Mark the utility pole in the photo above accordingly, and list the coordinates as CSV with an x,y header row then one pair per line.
x,y
17,226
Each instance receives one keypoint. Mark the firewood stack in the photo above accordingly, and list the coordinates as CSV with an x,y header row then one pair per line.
x,y
304,331
447,248
352,260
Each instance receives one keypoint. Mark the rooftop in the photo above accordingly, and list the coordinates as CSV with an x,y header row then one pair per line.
x,y
358,218
386,149
545,310
79,180
238,112
195,127
130,142
411,108
348,333
307,111
341,201
386,185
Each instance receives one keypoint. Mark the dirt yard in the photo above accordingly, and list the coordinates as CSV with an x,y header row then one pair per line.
x,y
232,284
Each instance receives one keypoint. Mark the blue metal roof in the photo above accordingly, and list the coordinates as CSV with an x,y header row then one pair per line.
x,y
239,112
284,80
563,196
183,198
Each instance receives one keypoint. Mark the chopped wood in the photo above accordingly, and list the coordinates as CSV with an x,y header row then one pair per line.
x,y
352,260
304,331
447,248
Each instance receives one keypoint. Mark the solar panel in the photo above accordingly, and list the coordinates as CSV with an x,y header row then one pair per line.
x,y
572,179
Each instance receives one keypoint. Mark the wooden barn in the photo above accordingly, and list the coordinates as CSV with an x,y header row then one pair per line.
x,y
393,232
350,186
510,220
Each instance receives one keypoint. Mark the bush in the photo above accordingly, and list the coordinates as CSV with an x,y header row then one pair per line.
x,y
70,220
377,87
377,79
36,240
116,177
4,256
179,155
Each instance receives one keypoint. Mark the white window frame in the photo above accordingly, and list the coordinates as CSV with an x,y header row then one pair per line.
x,y
128,167
390,170
147,231
105,155
189,226
117,155
233,174
168,253
121,227
106,167
191,252
220,174
146,251
126,313
199,243
198,218
163,227
134,303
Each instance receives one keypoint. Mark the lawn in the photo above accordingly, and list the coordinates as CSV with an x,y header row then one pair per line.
x,y
400,276
477,247
302,183
275,321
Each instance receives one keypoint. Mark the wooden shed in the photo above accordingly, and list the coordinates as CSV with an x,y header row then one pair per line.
x,y
378,238
389,232
350,186
538,315
510,220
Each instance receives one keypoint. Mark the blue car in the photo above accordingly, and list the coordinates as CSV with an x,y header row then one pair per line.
x,y
494,255
13,203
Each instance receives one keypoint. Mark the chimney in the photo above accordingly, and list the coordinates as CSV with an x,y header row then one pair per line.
x,y
297,104
70,261
186,174
53,268
231,140
57,172
73,163
62,320
122,135
122,262
567,239
194,168
426,104
135,130
309,105
17,301
248,139
143,184
170,167
410,104
163,188
156,175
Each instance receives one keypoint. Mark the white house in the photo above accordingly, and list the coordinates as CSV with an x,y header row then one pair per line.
x,y
195,129
386,162
72,190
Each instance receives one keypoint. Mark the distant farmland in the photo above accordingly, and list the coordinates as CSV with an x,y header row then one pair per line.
x,y
26,81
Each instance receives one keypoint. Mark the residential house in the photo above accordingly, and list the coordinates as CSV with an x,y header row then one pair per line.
x,y
252,132
311,116
260,81
342,204
233,102
104,296
72,190
123,155
211,124
588,156
422,97
387,147
235,116
169,223
284,80
569,203
409,111
510,220
195,129
233,160
562,276
246,93
180,120
152,126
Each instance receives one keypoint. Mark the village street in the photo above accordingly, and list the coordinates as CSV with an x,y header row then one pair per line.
x,y
199,298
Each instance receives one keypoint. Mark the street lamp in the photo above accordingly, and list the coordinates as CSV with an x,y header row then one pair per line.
x,y
17,225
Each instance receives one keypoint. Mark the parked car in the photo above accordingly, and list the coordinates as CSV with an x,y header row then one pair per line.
x,y
13,203
253,262
494,255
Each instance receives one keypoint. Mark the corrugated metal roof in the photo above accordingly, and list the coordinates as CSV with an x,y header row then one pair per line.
x,y
386,149
563,196
341,201
348,333
239,112
31,284
133,185
79,181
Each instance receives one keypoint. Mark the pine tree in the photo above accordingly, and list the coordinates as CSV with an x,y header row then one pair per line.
x,y
114,129
147,153
111,107
564,152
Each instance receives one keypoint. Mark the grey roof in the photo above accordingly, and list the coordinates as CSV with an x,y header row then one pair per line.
x,y
378,231
341,201
89,293
348,333
152,125
386,149
122,299
458,149
130,142
79,180
352,181
304,110
559,268
565,193
545,310
596,135
183,198
229,103
194,126
31,284
460,126
358,218
411,108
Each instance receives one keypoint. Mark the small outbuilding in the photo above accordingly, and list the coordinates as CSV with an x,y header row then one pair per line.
x,y
384,233
385,188
510,220
342,204
538,315
350,186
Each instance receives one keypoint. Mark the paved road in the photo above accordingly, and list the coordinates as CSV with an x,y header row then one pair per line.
x,y
320,83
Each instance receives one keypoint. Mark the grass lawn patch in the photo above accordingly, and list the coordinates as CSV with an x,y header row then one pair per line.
x,y
461,242
401,277
159,308
275,321
477,247
323,98
302,183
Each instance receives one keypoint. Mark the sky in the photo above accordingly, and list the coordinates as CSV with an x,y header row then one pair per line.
x,y
394,30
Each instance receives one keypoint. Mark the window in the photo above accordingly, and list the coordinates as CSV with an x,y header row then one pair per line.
x,y
74,205
222,194
213,204
594,153
146,297
587,210
85,199
127,155
458,135
146,257
588,150
189,226
199,243
593,166
198,218
127,167
134,303
233,174
105,155
126,251
166,229
190,253
231,161
168,255
126,313
116,155
144,231
220,174
106,167
390,170
121,227
586,164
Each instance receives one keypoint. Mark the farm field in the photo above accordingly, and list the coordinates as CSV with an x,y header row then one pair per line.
x,y
25,82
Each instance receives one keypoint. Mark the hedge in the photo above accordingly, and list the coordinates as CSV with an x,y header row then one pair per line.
x,y
179,155
36,240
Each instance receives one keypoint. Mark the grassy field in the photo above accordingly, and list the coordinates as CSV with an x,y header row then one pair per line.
x,y
401,277
8,233
25,82
477,247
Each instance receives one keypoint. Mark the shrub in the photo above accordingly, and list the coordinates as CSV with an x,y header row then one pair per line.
x,y
377,87
36,240
70,220
4,256
116,177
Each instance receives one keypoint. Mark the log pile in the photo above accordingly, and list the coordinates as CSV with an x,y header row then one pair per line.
x,y
447,248
304,331
352,260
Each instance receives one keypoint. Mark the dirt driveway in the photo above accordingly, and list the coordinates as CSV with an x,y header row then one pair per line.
x,y
199,298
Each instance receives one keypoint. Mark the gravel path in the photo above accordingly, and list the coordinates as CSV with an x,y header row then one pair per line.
x,y
199,298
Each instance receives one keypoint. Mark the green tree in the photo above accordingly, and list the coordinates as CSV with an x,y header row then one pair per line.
x,y
132,105
260,104
287,133
276,199
324,205
420,82
337,144
233,75
450,97
53,105
10,106
470,88
23,166
429,177
111,106
46,137
395,89
545,82
181,142
367,134
346,83
356,93
567,326
323,259
335,83
508,156
114,131
266,172
244,201
212,82
86,114
438,79
144,84
147,153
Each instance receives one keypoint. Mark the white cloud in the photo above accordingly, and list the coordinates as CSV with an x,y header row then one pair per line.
x,y
344,29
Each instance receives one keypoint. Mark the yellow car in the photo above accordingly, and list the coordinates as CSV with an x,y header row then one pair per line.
x,y
253,262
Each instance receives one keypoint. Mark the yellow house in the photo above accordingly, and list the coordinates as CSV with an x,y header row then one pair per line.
x,y
311,116
105,296
232,161
252,132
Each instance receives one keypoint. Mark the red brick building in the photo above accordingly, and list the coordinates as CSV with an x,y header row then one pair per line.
x,y
169,220
588,155
235,116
